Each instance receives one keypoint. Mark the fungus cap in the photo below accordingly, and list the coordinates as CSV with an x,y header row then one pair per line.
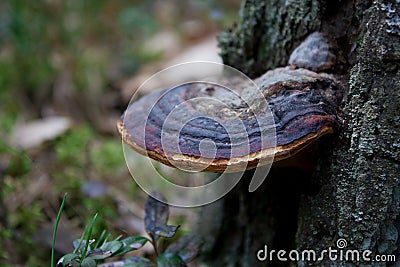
x,y
303,103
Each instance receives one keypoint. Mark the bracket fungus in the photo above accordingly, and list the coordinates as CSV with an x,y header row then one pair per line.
x,y
304,105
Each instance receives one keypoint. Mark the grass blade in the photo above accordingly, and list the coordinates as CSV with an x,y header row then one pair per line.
x,y
56,227
88,238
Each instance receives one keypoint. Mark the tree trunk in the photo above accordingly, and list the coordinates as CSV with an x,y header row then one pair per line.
x,y
353,192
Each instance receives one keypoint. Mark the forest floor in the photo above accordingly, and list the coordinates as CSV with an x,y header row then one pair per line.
x,y
67,72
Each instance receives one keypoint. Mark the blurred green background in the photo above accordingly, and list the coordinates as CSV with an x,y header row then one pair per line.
x,y
71,60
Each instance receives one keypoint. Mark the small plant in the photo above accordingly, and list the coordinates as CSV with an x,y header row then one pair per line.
x,y
89,252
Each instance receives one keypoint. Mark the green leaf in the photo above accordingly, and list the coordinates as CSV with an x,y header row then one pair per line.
x,y
170,260
88,262
99,254
67,259
112,246
157,213
131,243
187,247
166,230
80,244
138,262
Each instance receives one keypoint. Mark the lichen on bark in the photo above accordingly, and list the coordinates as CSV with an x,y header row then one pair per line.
x,y
366,208
267,32
363,175
358,172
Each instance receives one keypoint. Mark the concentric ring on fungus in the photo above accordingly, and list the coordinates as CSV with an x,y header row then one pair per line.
x,y
304,105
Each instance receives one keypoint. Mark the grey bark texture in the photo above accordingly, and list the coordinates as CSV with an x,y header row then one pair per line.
x,y
353,191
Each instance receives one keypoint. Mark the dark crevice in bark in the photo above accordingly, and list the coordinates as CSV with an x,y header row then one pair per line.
x,y
265,217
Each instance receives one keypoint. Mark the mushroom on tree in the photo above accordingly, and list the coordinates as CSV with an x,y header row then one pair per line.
x,y
304,106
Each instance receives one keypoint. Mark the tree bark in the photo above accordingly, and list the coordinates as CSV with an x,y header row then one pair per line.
x,y
353,192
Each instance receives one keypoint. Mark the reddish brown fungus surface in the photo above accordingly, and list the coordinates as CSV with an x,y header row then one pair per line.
x,y
169,125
